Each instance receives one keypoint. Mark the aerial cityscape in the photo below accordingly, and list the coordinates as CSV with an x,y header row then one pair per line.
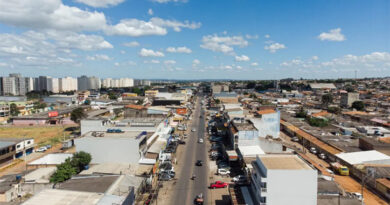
x,y
176,102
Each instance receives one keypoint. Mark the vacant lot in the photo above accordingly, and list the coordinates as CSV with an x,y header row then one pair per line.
x,y
42,135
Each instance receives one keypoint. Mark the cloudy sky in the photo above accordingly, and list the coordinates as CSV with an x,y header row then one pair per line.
x,y
195,39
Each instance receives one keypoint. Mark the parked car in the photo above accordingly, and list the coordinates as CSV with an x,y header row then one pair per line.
x,y
313,150
218,184
199,163
322,156
193,130
41,149
223,171
200,140
295,139
239,178
181,142
48,146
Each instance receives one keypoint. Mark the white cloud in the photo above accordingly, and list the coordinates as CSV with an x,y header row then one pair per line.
x,y
195,62
267,36
242,58
131,44
167,1
47,48
314,58
155,26
169,62
123,52
254,64
332,35
273,47
251,36
150,53
49,14
100,3
178,50
223,44
126,63
150,12
98,57
153,61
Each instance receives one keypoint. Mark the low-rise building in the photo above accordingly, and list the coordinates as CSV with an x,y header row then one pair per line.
x,y
347,99
280,179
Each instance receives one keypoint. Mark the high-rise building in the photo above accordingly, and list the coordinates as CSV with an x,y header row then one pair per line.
x,y
67,84
82,83
42,83
52,85
8,86
126,82
107,83
30,84
20,83
94,83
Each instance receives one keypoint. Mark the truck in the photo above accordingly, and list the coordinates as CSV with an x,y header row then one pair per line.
x,y
339,168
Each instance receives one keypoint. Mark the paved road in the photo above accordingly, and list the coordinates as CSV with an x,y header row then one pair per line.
x,y
186,189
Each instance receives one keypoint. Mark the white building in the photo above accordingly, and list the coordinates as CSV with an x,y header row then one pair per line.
x,y
53,85
67,84
267,122
279,179
126,82
107,83
365,157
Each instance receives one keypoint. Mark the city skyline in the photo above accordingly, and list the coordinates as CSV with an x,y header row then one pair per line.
x,y
188,39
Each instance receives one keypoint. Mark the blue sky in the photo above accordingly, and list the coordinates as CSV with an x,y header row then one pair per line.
x,y
195,39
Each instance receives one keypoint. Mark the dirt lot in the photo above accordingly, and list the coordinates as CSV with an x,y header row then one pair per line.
x,y
42,134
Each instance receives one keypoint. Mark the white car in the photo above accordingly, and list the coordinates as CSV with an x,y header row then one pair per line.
x,y
193,130
223,171
41,149
200,140
358,195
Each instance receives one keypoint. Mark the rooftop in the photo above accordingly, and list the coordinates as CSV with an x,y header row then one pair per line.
x,y
266,111
56,196
244,126
384,181
52,159
363,157
281,161
89,183
123,135
4,144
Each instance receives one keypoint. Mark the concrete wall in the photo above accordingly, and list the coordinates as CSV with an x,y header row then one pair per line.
x,y
28,122
296,187
105,149
35,188
268,124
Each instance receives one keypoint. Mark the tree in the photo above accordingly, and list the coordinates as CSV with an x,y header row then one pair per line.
x,y
349,89
112,96
64,172
358,105
38,105
251,85
317,122
217,101
80,160
335,110
327,99
301,114
13,109
77,114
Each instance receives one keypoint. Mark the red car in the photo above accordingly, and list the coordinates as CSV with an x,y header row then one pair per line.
x,y
218,184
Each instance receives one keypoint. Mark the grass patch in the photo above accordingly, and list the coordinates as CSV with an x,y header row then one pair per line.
x,y
42,134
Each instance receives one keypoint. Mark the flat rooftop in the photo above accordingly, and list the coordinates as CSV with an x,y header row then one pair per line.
x,y
245,126
282,161
89,183
123,135
4,144
64,197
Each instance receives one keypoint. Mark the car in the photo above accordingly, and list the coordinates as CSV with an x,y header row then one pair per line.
x,y
198,199
295,139
357,195
200,140
313,150
322,156
239,178
199,163
48,146
41,149
216,139
193,130
181,142
218,184
223,171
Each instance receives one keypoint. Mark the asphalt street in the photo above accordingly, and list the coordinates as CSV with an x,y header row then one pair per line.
x,y
186,189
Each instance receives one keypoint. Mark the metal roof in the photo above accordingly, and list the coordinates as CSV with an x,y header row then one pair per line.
x,y
5,144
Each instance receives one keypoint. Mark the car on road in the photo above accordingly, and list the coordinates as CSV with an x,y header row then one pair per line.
x,y
181,142
193,130
295,139
200,140
313,150
218,184
239,178
223,171
41,149
198,199
322,156
199,163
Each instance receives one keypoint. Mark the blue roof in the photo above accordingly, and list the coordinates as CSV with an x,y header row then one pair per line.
x,y
5,144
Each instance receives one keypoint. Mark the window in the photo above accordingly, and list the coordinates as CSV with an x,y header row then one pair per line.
x,y
28,142
18,146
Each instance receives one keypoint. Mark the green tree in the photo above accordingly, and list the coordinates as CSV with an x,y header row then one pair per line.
x,y
80,160
302,113
317,122
349,89
112,96
38,105
13,109
335,110
217,101
77,114
327,99
64,172
358,105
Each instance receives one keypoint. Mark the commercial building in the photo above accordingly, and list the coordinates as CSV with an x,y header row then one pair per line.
x,y
365,157
241,133
23,147
227,98
7,151
126,147
347,99
279,179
